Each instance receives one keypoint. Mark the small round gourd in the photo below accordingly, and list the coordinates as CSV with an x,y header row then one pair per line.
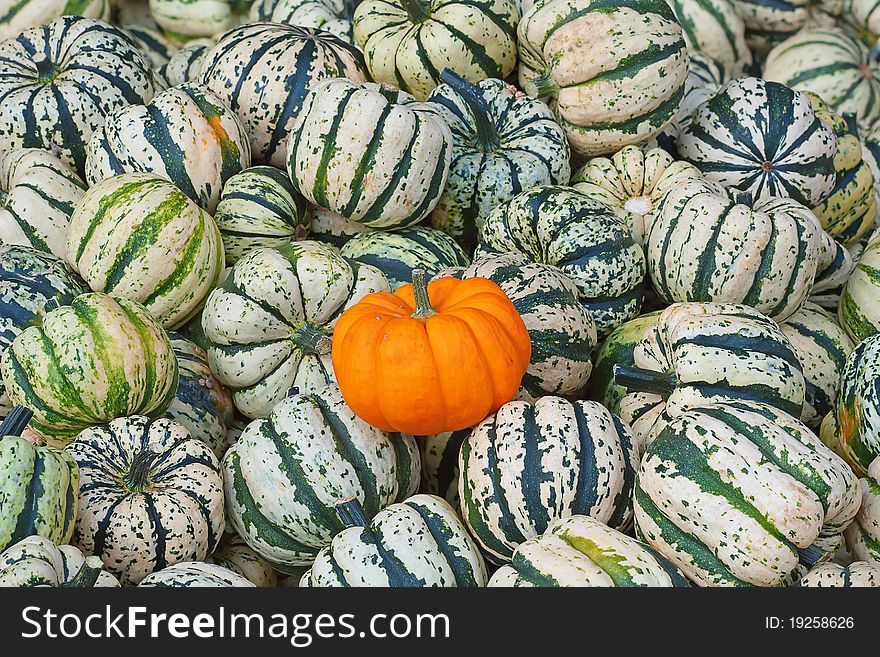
x,y
439,459
333,16
17,16
859,574
234,554
36,561
863,535
859,312
195,574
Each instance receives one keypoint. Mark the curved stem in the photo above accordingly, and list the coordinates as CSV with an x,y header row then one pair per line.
x,y
487,134
810,556
16,421
311,339
138,475
46,69
635,379
852,124
87,575
418,10
744,198
351,513
544,85
420,294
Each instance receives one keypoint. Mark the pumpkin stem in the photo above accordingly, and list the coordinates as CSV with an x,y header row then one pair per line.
x,y
351,513
545,85
420,294
744,198
810,556
87,575
487,135
418,10
46,70
635,379
16,421
311,339
137,477
349,7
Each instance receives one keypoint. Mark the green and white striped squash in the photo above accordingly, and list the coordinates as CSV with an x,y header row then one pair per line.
x,y
562,227
701,353
137,236
407,43
863,535
439,459
332,228
769,22
259,207
834,64
633,182
821,347
195,574
831,278
234,554
60,81
370,153
864,17
186,64
859,574
562,331
18,15
155,45
859,312
730,492
420,542
286,472
31,284
200,18
270,322
582,552
37,562
39,486
503,143
762,138
632,57
715,29
184,134
333,16
202,404
38,193
531,464
710,244
88,362
264,71
150,496
869,133
397,254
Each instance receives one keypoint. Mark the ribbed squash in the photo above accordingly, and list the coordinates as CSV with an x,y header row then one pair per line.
x,y
863,535
235,555
632,57
150,496
138,237
439,458
187,18
859,311
196,574
334,229
286,472
715,29
156,46
37,562
531,464
863,16
333,16
859,574
769,22
88,362
583,552
269,322
186,64
18,15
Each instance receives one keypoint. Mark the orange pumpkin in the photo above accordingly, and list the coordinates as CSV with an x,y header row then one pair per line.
x,y
430,358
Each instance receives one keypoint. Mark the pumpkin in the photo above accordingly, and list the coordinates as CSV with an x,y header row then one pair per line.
x,y
633,182
259,207
632,58
285,473
38,193
531,464
139,237
561,330
708,244
397,254
832,63
503,143
585,239
333,16
186,18
863,535
269,323
700,353
763,138
157,47
730,492
22,14
859,574
234,554
31,284
264,71
195,574
150,496
186,64
60,81
38,486
430,357
439,458
715,28
406,43
853,429
202,405
37,561
821,347
88,362
417,543
184,134
859,312
369,153
580,551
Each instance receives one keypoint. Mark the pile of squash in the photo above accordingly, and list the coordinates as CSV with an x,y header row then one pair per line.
x,y
415,293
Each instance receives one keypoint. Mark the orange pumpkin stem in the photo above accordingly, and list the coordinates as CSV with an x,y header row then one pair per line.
x,y
420,293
